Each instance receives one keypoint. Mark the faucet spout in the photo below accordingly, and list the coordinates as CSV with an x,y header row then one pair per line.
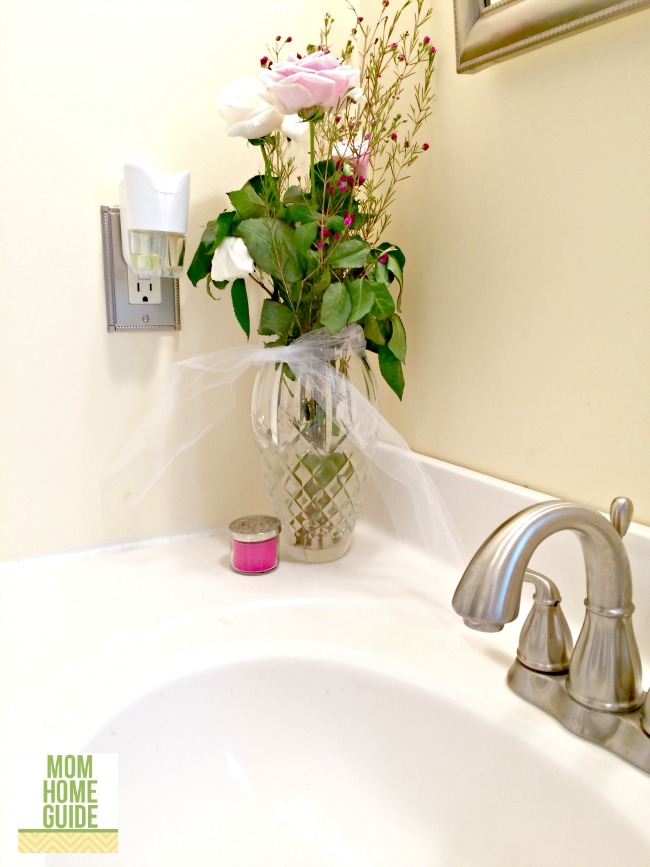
x,y
605,669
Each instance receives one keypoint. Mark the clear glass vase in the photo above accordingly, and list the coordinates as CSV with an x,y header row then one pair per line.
x,y
315,472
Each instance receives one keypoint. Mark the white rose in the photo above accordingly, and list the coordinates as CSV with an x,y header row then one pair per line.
x,y
295,128
246,113
231,260
357,95
296,133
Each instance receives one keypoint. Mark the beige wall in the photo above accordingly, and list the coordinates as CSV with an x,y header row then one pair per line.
x,y
526,228
85,86
527,231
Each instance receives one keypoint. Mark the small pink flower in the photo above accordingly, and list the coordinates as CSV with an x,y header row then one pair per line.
x,y
393,136
425,147
427,40
383,259
393,45
320,245
289,39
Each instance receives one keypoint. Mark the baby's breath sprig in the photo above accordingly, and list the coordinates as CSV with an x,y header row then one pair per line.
x,y
396,65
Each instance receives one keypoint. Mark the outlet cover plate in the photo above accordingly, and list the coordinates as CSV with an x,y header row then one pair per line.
x,y
121,315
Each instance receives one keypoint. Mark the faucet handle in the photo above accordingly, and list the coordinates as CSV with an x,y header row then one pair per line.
x,y
545,643
620,514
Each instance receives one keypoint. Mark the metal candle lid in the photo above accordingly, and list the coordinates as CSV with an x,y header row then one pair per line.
x,y
254,528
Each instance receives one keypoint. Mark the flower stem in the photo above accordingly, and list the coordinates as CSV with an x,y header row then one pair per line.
x,y
312,149
267,174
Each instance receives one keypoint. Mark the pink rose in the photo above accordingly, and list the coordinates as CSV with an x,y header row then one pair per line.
x,y
318,79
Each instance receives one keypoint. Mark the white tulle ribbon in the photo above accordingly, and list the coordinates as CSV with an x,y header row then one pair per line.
x,y
201,396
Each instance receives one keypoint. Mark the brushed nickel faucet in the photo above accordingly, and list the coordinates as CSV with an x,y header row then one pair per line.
x,y
594,691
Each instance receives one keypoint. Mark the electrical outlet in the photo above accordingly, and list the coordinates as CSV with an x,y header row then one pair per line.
x,y
126,309
147,290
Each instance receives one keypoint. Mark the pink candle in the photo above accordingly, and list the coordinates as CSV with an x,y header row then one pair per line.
x,y
254,544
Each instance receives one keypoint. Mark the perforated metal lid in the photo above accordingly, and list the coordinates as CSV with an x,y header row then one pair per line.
x,y
254,528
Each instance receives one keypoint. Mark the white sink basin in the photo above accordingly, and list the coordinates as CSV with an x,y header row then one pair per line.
x,y
335,715
293,762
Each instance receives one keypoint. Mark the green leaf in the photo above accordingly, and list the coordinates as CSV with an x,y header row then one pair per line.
x,y
383,306
272,246
276,318
257,183
293,194
395,264
336,307
352,253
214,233
324,468
240,304
305,235
267,189
218,284
371,330
397,342
381,273
247,203
324,172
396,260
391,369
362,298
336,223
295,292
322,282
300,214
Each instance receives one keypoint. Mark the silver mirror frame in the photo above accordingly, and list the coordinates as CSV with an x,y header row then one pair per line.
x,y
487,35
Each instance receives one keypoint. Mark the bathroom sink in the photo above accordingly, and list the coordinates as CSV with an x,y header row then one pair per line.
x,y
289,761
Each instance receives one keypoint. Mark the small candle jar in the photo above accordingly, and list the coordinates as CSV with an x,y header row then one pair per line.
x,y
254,544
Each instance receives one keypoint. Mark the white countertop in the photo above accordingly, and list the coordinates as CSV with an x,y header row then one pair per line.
x,y
83,635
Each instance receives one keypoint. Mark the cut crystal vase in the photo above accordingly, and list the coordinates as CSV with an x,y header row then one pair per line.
x,y
314,468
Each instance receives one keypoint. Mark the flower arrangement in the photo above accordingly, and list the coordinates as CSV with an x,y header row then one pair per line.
x,y
311,238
